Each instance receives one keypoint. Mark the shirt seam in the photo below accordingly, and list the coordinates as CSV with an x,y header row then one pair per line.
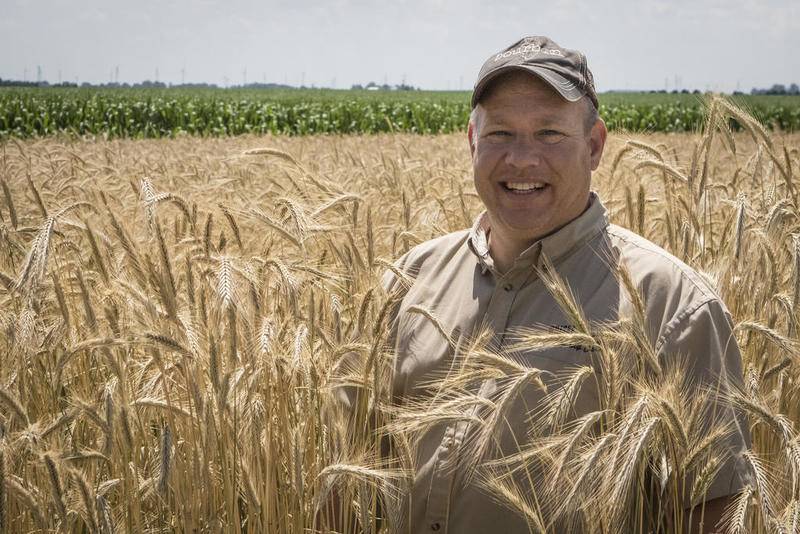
x,y
425,252
708,294
576,246
672,326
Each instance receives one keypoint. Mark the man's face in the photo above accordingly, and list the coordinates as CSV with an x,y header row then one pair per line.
x,y
532,157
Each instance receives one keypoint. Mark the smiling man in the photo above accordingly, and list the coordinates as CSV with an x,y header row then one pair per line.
x,y
535,138
533,152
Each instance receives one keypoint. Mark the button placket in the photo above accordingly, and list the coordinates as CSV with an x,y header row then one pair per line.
x,y
499,309
444,473
441,481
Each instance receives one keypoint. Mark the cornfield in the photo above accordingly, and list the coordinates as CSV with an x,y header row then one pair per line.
x,y
176,313
154,113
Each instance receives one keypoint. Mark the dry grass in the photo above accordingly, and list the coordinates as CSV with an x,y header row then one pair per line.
x,y
173,312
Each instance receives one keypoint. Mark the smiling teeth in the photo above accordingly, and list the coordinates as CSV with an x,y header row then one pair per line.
x,y
524,186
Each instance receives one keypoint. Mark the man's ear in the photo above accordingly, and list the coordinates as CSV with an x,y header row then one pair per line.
x,y
597,140
471,138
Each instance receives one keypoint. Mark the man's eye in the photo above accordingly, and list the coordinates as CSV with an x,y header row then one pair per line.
x,y
499,133
551,136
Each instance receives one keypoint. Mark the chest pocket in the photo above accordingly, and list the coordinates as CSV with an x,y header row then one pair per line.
x,y
422,350
541,314
432,321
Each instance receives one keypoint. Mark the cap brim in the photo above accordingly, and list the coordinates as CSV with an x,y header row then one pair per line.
x,y
567,89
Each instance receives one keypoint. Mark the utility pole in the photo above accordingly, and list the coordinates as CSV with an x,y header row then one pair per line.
x,y
183,75
244,77
116,74
38,74
59,76
156,74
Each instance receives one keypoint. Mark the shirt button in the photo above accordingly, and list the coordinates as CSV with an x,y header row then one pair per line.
x,y
508,287
436,526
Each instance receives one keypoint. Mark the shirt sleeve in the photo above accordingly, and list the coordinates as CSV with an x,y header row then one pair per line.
x,y
705,338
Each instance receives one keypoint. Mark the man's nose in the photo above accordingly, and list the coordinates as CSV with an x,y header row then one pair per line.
x,y
523,153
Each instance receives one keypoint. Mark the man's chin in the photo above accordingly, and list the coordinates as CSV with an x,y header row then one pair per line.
x,y
522,226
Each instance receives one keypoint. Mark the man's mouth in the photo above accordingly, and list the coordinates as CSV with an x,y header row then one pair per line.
x,y
524,188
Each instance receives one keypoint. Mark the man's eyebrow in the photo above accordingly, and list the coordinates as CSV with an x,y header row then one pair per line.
x,y
547,121
493,122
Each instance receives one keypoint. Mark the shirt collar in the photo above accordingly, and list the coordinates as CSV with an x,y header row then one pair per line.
x,y
555,246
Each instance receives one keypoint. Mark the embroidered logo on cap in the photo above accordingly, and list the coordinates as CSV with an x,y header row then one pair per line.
x,y
528,51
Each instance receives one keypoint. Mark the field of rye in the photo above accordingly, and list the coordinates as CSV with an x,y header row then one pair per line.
x,y
174,313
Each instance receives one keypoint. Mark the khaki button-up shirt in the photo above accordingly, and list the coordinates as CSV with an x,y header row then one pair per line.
x,y
456,280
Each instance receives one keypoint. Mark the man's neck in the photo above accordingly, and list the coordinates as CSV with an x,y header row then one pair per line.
x,y
505,251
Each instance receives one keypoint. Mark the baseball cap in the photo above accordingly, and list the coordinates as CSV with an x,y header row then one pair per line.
x,y
563,69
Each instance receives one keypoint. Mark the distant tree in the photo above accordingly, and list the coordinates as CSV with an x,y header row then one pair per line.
x,y
777,89
16,83
150,84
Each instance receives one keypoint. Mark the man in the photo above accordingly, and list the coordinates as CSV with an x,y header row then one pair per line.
x,y
535,138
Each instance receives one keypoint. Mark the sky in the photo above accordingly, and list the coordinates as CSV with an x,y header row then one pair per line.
x,y
718,45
